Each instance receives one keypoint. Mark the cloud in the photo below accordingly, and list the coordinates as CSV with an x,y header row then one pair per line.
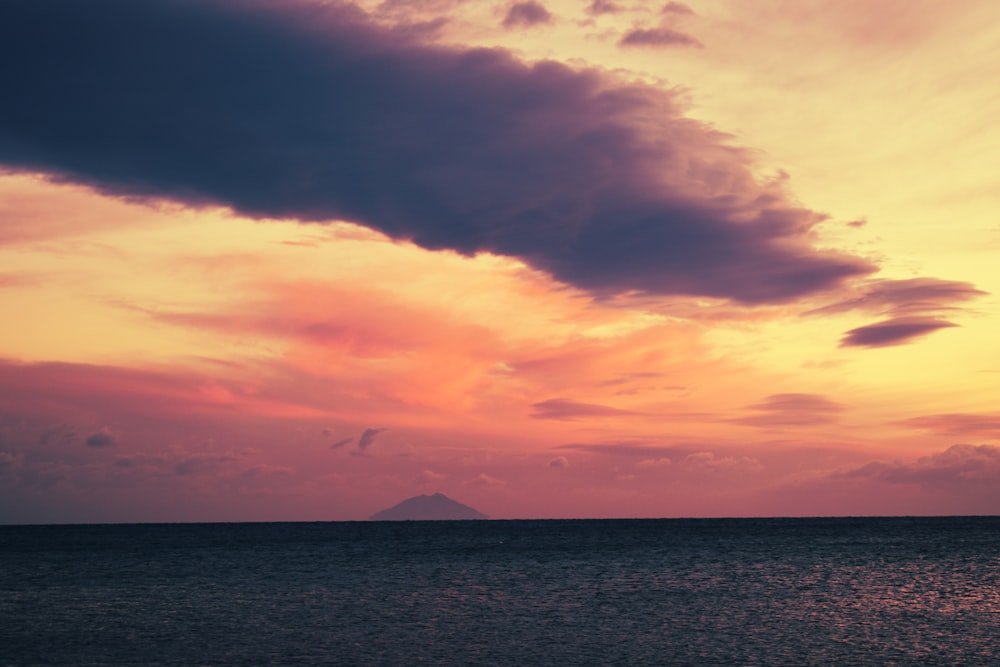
x,y
526,15
598,7
316,112
956,423
430,477
914,308
337,444
485,481
199,463
633,450
102,438
710,461
893,332
955,466
662,36
559,462
367,438
676,8
899,298
792,410
561,408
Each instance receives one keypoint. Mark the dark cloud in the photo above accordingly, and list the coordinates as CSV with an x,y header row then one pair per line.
x,y
102,438
914,308
779,410
342,442
367,438
956,423
315,112
526,15
561,408
661,36
559,462
598,7
956,466
893,332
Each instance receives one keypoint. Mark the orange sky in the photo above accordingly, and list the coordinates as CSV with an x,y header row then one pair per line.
x,y
170,353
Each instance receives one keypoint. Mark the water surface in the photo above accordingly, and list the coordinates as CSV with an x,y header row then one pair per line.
x,y
892,591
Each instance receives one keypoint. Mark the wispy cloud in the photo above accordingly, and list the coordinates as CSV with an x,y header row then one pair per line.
x,y
957,423
561,408
793,409
915,307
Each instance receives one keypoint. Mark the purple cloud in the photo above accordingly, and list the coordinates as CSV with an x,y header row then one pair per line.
x,y
661,36
914,308
915,296
893,332
317,112
102,438
526,15
956,466
791,409
340,443
367,438
598,7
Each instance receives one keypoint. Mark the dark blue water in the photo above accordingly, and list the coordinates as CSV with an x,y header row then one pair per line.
x,y
896,591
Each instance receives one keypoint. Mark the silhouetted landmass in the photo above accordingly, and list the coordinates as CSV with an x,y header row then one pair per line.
x,y
438,507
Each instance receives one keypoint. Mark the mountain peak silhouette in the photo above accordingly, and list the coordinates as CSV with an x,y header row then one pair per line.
x,y
437,507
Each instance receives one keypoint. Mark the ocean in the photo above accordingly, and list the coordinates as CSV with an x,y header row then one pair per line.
x,y
831,591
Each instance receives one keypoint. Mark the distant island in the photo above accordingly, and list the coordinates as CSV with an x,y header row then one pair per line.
x,y
438,507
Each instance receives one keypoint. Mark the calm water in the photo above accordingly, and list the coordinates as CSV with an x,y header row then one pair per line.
x,y
653,592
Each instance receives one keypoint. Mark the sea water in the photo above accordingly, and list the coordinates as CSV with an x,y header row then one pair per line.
x,y
871,591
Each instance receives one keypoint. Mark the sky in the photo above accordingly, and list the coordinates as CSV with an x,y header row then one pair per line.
x,y
300,260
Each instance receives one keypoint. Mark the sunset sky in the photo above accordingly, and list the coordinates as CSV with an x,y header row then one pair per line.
x,y
300,260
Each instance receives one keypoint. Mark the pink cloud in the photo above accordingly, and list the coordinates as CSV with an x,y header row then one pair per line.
x,y
957,423
793,409
560,408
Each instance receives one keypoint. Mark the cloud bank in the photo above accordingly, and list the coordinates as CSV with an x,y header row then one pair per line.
x,y
315,112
